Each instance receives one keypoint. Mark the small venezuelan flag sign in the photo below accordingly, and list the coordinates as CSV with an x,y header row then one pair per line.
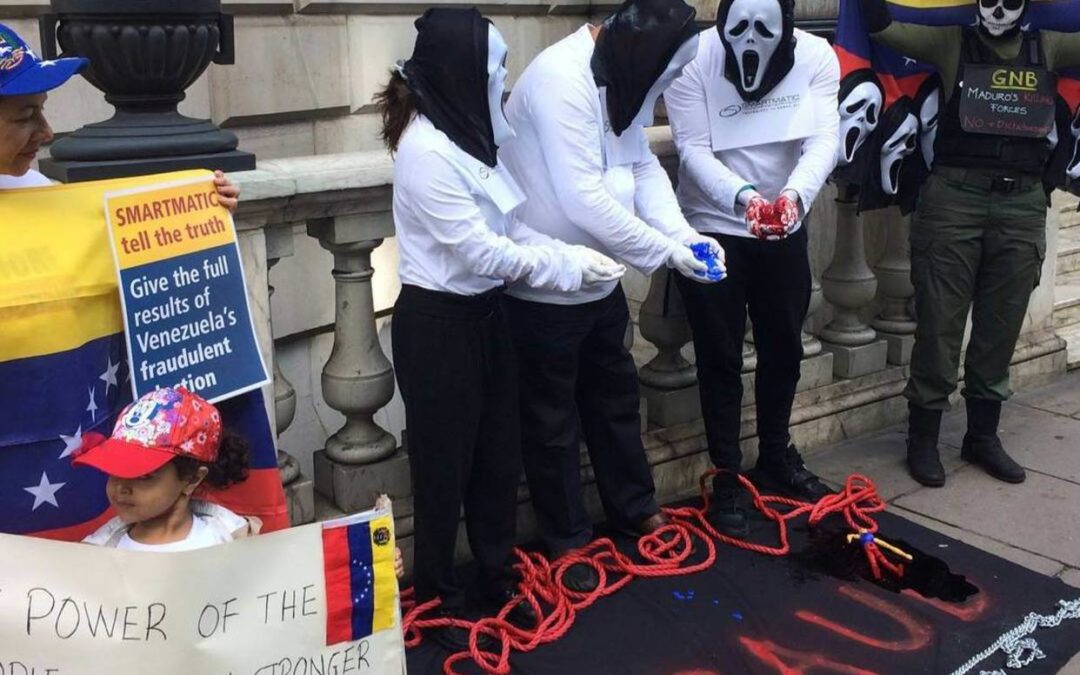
x,y
361,587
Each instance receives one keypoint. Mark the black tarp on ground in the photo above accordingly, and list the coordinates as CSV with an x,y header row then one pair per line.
x,y
755,614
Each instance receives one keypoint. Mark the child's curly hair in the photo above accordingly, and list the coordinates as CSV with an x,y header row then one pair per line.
x,y
231,466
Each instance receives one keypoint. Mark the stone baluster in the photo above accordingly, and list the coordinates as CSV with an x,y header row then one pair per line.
x,y
668,381
849,285
811,346
358,379
299,489
895,323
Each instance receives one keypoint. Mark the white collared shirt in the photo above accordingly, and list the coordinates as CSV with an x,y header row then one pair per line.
x,y
709,181
584,185
455,222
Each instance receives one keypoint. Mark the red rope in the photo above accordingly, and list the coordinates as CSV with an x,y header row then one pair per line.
x,y
665,552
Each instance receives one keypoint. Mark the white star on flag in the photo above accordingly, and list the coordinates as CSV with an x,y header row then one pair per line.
x,y
92,406
109,376
71,443
44,492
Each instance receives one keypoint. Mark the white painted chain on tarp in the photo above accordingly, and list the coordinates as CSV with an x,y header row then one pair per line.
x,y
1020,649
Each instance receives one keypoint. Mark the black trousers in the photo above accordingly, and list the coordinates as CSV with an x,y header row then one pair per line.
x,y
772,280
577,377
455,366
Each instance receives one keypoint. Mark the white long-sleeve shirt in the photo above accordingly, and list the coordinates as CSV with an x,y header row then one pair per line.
x,y
455,222
585,186
710,180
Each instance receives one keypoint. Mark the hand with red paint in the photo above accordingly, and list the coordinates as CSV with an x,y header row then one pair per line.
x,y
787,210
759,212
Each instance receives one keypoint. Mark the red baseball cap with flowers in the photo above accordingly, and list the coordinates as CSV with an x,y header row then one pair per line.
x,y
151,432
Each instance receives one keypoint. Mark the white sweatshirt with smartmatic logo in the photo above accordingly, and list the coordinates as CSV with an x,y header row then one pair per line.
x,y
709,181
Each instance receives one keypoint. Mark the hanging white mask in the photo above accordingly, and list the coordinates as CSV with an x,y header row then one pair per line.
x,y
860,112
900,144
496,68
753,31
682,58
1073,169
998,17
929,117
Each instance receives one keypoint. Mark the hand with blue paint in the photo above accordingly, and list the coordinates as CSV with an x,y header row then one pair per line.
x,y
708,251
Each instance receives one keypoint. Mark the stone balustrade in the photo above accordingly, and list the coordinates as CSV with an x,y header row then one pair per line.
x,y
318,222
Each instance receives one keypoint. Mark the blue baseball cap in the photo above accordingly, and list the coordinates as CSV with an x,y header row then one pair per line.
x,y
23,73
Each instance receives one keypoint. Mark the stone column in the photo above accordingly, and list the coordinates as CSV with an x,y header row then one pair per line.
x,y
361,459
895,324
299,489
849,285
668,381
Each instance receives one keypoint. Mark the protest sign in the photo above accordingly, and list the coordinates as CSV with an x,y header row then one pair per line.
x,y
311,600
182,289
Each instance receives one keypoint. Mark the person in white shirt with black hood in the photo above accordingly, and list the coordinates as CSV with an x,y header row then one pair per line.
x,y
581,155
460,241
755,123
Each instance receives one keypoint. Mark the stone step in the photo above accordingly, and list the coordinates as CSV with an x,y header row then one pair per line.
x,y
1071,336
1067,300
1068,258
1069,217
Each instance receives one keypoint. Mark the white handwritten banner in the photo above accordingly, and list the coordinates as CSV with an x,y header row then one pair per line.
x,y
257,606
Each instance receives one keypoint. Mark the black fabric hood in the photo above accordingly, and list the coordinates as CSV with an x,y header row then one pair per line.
x,y
448,76
783,60
633,49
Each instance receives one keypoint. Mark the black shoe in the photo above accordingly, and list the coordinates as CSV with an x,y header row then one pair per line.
x,y
581,578
522,614
727,512
983,447
923,460
455,639
786,469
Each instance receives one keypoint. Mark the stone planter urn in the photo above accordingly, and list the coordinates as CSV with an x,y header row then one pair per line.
x,y
143,55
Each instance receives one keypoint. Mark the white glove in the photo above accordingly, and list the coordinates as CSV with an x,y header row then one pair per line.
x,y
684,262
596,268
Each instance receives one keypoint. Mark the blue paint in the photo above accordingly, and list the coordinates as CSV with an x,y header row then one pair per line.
x,y
737,616
703,252
867,538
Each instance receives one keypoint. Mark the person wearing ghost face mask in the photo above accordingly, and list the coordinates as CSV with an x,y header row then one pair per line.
x,y
581,154
978,237
734,171
460,240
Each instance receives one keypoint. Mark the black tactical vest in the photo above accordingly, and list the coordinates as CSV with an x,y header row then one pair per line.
x,y
956,147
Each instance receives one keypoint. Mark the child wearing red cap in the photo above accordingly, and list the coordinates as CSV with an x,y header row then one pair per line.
x,y
164,447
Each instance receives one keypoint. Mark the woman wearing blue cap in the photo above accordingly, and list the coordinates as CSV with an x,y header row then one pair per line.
x,y
25,81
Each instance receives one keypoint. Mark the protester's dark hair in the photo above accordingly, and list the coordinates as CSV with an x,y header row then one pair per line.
x,y
231,466
397,107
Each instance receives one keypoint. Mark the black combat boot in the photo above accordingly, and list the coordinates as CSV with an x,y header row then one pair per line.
x,y
923,460
727,506
982,445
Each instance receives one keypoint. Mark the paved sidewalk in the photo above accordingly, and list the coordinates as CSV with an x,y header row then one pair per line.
x,y
1034,524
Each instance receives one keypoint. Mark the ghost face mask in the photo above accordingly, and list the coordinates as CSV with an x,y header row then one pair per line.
x,y
898,145
929,116
682,58
758,38
639,52
496,68
861,99
1073,169
457,78
1001,17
